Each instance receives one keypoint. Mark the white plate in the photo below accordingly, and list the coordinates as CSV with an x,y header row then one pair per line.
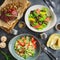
x,y
50,25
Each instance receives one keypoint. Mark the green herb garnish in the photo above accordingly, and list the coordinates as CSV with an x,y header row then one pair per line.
x,y
8,14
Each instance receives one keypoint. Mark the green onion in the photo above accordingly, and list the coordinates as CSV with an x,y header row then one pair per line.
x,y
7,57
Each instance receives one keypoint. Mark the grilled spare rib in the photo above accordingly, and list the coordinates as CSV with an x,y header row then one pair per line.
x,y
10,13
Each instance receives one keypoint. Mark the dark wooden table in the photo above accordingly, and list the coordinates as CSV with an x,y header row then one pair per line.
x,y
42,56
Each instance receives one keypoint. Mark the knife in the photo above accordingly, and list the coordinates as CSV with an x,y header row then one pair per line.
x,y
48,52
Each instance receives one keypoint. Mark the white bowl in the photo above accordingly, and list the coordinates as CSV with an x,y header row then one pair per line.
x,y
50,25
15,55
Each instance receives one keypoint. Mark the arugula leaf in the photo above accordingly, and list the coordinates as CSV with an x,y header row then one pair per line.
x,y
8,14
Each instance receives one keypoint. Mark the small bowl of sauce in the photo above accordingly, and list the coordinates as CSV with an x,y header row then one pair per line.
x,y
58,27
21,24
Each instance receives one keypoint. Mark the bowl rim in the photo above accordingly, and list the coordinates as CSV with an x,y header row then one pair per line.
x,y
55,18
24,35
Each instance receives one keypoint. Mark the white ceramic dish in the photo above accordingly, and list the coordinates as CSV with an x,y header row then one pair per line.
x,y
50,25
15,55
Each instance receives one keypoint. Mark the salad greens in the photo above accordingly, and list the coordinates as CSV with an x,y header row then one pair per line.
x,y
25,46
39,18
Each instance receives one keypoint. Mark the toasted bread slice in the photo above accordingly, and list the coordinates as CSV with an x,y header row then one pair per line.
x,y
11,24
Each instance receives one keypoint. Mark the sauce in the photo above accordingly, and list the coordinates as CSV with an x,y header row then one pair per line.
x,y
21,25
58,26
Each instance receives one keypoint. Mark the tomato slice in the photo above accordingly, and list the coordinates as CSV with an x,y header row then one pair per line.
x,y
25,41
34,42
28,45
23,38
21,43
38,11
47,19
37,26
34,45
32,39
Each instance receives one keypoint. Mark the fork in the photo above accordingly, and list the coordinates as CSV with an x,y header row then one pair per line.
x,y
48,52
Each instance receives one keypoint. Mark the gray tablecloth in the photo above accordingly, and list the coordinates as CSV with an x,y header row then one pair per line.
x,y
42,56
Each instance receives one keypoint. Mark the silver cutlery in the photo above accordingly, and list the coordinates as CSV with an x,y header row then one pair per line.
x,y
48,52
50,3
